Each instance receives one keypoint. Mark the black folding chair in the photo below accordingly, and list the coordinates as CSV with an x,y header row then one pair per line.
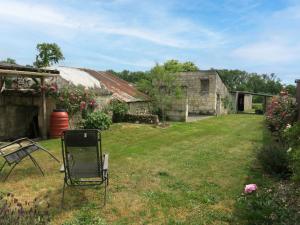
x,y
14,152
84,163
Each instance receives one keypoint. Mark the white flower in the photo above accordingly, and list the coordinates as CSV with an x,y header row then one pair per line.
x,y
288,126
289,150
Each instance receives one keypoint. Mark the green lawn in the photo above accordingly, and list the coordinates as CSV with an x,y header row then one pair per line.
x,y
188,173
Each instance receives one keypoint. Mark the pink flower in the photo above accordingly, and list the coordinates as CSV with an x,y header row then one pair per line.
x,y
92,103
82,105
249,188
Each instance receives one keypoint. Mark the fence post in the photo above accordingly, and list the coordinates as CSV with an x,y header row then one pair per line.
x,y
298,96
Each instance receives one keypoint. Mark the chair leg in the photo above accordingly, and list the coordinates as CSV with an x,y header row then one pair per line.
x,y
50,154
107,178
9,172
105,190
63,196
36,164
3,166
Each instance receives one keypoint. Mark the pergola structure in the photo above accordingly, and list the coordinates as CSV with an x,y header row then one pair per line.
x,y
10,70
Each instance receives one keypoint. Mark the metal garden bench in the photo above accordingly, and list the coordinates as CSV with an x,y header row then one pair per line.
x,y
14,152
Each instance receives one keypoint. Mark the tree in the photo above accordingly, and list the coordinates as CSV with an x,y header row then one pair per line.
x,y
48,54
9,61
291,89
132,77
162,87
174,66
237,80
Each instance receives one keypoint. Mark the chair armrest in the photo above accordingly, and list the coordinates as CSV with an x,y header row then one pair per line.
x,y
105,162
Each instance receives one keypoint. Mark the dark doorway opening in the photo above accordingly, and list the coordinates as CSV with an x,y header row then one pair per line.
x,y
241,102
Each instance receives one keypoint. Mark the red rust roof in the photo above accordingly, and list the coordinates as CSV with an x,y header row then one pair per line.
x,y
121,89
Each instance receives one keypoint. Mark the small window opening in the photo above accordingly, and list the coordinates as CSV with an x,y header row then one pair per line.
x,y
204,85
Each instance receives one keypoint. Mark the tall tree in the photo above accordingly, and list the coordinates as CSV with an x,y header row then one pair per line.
x,y
174,66
48,54
237,80
162,87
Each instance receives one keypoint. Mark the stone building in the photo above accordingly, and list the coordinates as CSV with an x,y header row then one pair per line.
x,y
26,112
204,93
108,85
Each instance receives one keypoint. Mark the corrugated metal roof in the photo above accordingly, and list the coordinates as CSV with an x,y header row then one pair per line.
x,y
121,89
78,77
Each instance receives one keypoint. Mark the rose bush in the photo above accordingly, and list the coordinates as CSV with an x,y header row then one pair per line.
x,y
73,99
281,112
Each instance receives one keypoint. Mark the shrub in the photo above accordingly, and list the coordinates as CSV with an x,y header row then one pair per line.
x,y
291,135
119,109
74,99
295,162
272,205
97,120
281,112
292,138
274,158
13,211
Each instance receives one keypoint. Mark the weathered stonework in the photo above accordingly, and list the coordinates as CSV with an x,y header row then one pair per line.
x,y
138,108
247,102
18,111
204,95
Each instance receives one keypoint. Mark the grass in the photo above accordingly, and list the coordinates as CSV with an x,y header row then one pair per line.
x,y
188,173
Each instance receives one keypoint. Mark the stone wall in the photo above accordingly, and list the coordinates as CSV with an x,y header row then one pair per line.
x,y
178,110
201,99
222,94
18,113
205,94
138,108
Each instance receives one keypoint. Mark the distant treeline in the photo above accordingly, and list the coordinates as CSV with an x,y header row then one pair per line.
x,y
235,80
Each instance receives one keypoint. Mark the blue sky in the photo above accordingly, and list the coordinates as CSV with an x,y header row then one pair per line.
x,y
254,35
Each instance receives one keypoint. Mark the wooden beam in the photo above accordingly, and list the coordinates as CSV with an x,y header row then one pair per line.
x,y
25,73
44,108
236,101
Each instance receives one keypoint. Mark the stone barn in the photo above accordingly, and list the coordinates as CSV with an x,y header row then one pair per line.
x,y
204,93
26,112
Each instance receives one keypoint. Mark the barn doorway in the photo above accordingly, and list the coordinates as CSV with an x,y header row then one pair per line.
x,y
241,102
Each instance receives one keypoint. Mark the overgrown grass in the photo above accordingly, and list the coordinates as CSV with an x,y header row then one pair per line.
x,y
188,173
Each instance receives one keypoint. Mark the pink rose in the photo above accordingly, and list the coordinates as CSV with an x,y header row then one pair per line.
x,y
249,188
82,105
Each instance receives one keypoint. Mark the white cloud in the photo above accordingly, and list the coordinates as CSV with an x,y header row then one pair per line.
x,y
278,42
168,32
268,52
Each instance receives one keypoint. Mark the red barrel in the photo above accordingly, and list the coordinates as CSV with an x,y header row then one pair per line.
x,y
58,123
